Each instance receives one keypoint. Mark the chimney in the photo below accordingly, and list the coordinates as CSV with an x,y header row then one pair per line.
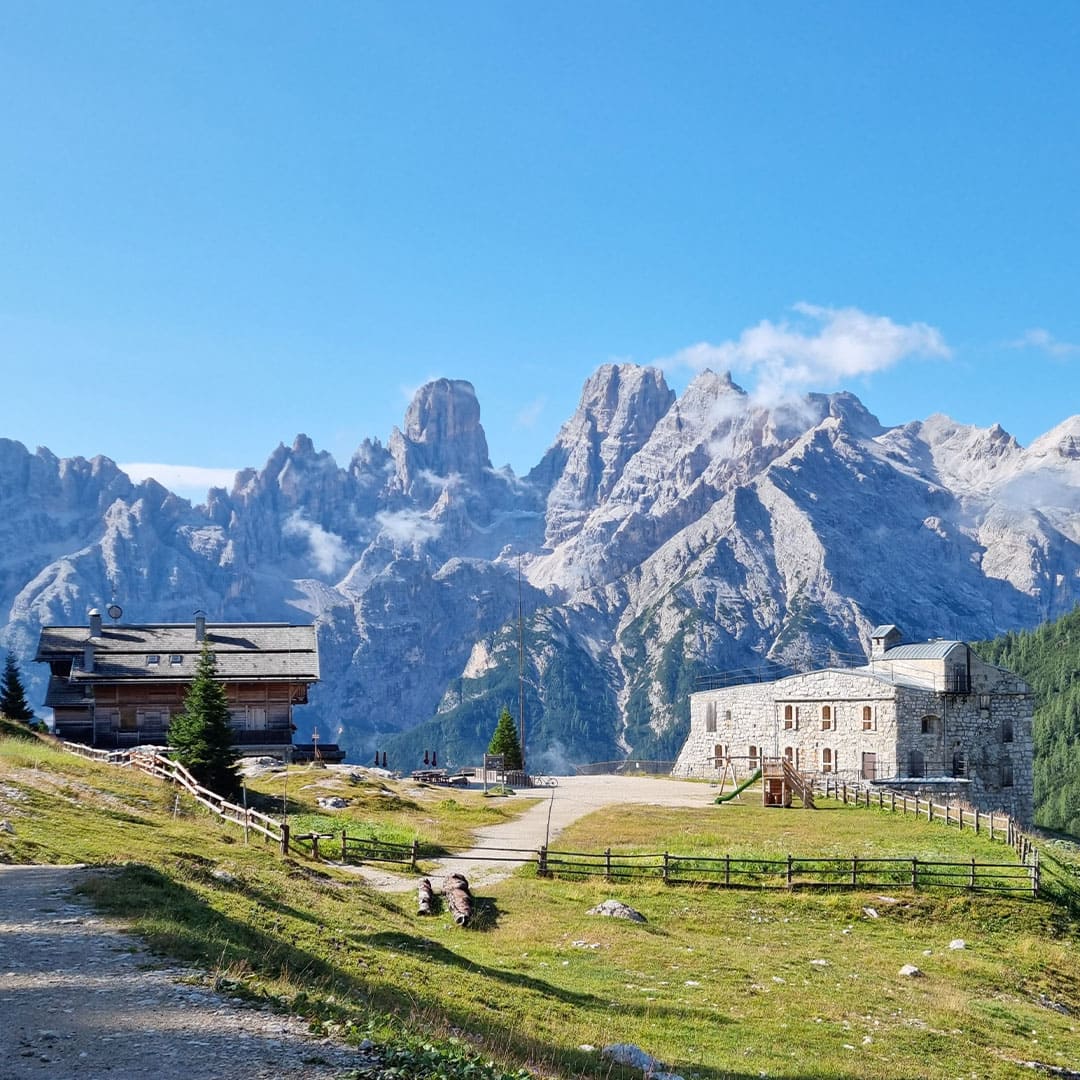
x,y
883,638
200,625
88,657
95,622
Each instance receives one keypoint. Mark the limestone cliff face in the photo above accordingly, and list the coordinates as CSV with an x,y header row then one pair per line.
x,y
657,539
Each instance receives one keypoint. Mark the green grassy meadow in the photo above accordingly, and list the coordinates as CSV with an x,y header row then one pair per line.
x,y
717,983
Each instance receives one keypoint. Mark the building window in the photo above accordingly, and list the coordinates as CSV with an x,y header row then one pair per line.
x,y
828,760
869,722
791,718
710,716
727,718
916,763
929,725
826,718
176,660
789,755
720,755
869,766
958,762
153,660
753,755
1006,729
1006,774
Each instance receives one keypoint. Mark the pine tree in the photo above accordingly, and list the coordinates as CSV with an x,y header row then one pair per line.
x,y
201,735
505,741
13,703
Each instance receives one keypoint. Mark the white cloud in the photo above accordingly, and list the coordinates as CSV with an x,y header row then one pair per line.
x,y
1038,338
822,346
408,526
529,415
183,479
327,549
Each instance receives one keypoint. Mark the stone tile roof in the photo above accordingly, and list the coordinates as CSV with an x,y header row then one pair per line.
x,y
243,651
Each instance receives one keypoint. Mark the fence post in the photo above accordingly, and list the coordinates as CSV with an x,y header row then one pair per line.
x,y
916,804
664,871
881,800
727,869
789,870
607,863
971,882
914,872
285,839
414,853
344,838
991,824
976,821
1035,874
854,870
930,809
315,846
541,861
845,793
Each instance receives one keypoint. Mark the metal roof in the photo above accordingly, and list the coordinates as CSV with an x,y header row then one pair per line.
x,y
925,650
243,651
884,630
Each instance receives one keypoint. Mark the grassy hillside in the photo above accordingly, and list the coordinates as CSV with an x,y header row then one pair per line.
x,y
717,983
1049,659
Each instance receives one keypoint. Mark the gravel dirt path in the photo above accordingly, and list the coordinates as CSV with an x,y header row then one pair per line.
x,y
81,999
558,807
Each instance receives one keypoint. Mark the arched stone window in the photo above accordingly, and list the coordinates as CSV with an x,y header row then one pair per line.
x,y
828,760
958,762
789,754
753,755
868,723
826,718
1006,729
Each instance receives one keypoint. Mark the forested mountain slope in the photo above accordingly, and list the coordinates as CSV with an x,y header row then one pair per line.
x,y
1048,657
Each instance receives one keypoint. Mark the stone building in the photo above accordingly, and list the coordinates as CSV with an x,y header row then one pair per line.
x,y
930,718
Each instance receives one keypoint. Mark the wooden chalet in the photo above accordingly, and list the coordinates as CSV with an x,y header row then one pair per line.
x,y
118,685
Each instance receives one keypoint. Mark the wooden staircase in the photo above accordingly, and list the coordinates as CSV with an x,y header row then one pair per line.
x,y
780,780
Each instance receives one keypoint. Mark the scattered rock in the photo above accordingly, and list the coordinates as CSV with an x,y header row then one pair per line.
x,y
6,826
616,909
333,802
820,963
223,876
870,913
910,970
958,943
1048,1003
636,1058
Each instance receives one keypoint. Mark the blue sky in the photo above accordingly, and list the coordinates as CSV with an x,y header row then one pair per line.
x,y
223,224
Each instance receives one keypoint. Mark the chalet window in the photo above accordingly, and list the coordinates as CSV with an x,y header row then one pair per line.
x,y
153,660
753,755
958,762
869,721
1006,774
826,718
869,766
710,716
1006,729
176,659
827,760
916,763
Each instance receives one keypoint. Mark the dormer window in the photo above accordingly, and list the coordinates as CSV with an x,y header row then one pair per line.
x,y
153,660
176,660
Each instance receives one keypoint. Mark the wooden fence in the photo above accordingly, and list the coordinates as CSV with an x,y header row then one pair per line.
x,y
791,872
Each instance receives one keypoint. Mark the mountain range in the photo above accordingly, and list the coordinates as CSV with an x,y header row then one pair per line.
x,y
659,538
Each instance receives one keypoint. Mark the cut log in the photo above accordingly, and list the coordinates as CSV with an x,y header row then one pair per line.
x,y
458,898
425,901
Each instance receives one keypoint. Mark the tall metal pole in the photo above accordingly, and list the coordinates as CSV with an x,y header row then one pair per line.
x,y
521,672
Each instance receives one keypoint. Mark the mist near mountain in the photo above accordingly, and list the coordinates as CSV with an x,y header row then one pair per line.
x,y
659,538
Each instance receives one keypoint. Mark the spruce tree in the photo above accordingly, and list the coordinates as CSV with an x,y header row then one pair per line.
x,y
505,741
201,735
13,703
